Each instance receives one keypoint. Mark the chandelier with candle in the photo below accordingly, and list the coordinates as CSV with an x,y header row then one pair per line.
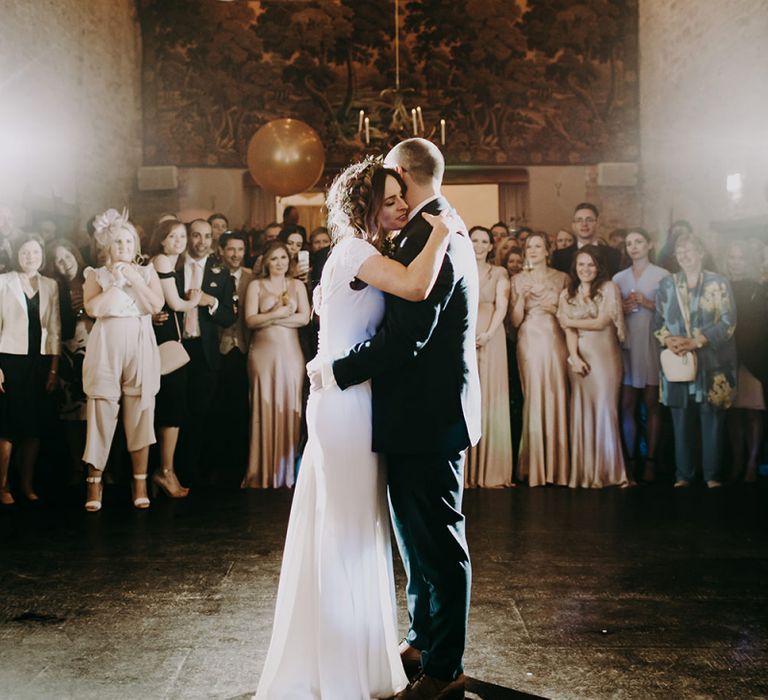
x,y
402,123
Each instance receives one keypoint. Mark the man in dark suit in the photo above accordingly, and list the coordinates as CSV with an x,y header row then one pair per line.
x,y
198,270
231,405
584,227
426,412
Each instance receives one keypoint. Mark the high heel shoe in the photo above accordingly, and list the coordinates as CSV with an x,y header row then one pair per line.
x,y
167,481
140,502
95,504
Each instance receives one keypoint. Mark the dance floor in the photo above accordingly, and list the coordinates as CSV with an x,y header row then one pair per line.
x,y
643,593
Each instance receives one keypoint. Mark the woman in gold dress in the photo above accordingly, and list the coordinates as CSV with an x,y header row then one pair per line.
x,y
590,311
489,463
541,356
276,306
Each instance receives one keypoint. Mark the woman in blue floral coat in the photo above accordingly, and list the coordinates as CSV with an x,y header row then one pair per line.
x,y
707,300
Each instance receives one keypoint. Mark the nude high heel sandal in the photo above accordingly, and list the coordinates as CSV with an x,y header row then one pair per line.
x,y
94,505
140,502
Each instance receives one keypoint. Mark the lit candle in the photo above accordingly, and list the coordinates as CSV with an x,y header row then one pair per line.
x,y
415,125
442,132
421,119
360,121
367,130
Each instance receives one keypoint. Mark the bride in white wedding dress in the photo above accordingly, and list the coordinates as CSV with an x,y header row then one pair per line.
x,y
335,635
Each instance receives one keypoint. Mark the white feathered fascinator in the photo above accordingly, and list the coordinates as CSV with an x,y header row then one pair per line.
x,y
109,223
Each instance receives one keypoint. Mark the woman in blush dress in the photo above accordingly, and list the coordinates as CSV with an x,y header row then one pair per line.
x,y
276,306
638,285
335,627
591,313
541,356
489,463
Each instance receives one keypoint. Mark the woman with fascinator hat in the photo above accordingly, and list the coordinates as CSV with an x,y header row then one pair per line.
x,y
335,627
122,362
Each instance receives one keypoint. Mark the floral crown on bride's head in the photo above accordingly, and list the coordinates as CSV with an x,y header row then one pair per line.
x,y
349,196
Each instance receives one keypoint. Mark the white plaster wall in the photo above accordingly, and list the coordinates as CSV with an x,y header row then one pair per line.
x,y
70,114
703,109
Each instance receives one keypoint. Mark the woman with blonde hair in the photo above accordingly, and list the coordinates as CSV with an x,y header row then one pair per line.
x,y
541,357
122,363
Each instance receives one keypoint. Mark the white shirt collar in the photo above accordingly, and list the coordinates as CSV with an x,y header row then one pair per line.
x,y
237,273
421,205
191,261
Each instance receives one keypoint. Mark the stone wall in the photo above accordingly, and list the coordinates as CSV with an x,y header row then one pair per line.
x,y
704,109
70,119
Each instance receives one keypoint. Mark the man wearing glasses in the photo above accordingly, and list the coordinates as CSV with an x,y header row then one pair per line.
x,y
584,227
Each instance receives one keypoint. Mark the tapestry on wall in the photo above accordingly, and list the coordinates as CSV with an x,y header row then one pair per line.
x,y
516,81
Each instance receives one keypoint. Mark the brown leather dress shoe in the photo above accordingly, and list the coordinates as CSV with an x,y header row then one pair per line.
x,y
429,688
411,658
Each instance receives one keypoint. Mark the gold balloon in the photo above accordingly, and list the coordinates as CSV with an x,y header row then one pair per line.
x,y
286,156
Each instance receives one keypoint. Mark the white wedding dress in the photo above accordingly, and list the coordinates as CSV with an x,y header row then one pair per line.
x,y
335,628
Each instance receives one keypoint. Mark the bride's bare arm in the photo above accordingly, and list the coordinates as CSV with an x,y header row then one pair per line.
x,y
412,283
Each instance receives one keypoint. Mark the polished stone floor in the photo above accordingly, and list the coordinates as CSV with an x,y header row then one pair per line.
x,y
643,593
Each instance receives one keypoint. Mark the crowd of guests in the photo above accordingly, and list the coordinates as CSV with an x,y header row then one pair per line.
x,y
589,324
196,338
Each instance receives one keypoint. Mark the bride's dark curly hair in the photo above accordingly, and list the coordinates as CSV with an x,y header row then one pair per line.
x,y
354,201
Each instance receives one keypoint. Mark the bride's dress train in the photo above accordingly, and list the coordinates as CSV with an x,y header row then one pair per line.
x,y
335,629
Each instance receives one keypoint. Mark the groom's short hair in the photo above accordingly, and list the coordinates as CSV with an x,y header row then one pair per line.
x,y
420,158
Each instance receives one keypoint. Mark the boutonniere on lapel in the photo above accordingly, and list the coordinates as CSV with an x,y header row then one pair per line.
x,y
216,270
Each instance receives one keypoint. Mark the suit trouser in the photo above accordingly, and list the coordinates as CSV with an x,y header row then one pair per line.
x,y
198,435
101,416
231,415
684,423
425,493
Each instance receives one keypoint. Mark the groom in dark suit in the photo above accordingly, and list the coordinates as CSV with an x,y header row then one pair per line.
x,y
426,412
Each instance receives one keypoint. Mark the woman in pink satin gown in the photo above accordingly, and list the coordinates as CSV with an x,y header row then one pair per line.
x,y
590,311
541,355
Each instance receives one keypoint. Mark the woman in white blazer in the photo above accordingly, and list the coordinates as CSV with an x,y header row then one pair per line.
x,y
30,339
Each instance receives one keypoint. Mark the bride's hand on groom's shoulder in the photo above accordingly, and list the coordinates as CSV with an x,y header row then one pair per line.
x,y
442,224
448,221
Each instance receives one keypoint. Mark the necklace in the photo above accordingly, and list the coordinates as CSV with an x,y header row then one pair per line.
x,y
282,295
